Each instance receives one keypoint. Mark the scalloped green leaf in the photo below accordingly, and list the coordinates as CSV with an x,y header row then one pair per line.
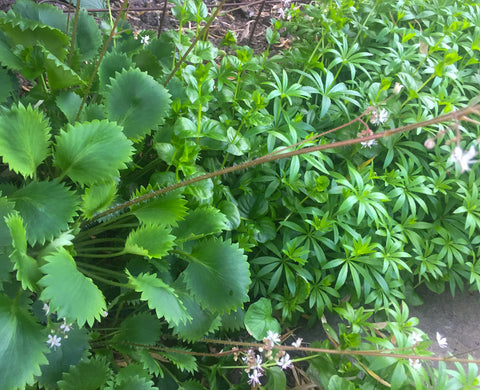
x,y
202,321
135,382
28,271
199,223
71,294
7,58
45,13
98,197
113,62
49,202
92,374
23,346
24,139
150,240
166,209
88,37
218,275
143,328
27,33
160,297
92,152
137,102
183,361
259,319
60,75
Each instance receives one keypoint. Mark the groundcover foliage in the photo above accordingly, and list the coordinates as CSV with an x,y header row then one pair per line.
x,y
154,193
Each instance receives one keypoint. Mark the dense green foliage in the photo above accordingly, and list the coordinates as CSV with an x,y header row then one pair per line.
x,y
131,278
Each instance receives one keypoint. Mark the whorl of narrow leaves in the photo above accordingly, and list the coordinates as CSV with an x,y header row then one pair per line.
x,y
218,275
24,139
23,346
48,202
92,152
137,102
71,294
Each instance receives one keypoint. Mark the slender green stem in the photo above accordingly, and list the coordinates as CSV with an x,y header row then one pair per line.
x,y
103,256
459,114
104,280
193,44
102,54
102,270
74,32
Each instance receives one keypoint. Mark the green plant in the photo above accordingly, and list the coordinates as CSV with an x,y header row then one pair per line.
x,y
156,191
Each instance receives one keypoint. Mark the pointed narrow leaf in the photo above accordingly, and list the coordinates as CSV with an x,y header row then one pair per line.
x,y
92,152
137,102
48,202
71,294
218,275
150,240
23,345
160,297
24,139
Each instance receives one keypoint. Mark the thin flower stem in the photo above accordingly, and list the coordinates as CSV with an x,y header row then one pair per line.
x,y
194,43
460,114
104,280
102,54
319,351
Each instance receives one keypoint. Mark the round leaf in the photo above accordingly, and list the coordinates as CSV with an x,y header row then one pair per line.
x,y
48,202
218,275
24,139
259,319
72,295
92,152
137,102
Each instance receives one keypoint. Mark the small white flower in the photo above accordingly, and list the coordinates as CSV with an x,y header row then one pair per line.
x,y
398,87
429,143
415,363
369,143
105,313
145,40
464,159
53,341
65,327
297,343
46,309
416,338
442,341
253,378
379,117
273,337
284,362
